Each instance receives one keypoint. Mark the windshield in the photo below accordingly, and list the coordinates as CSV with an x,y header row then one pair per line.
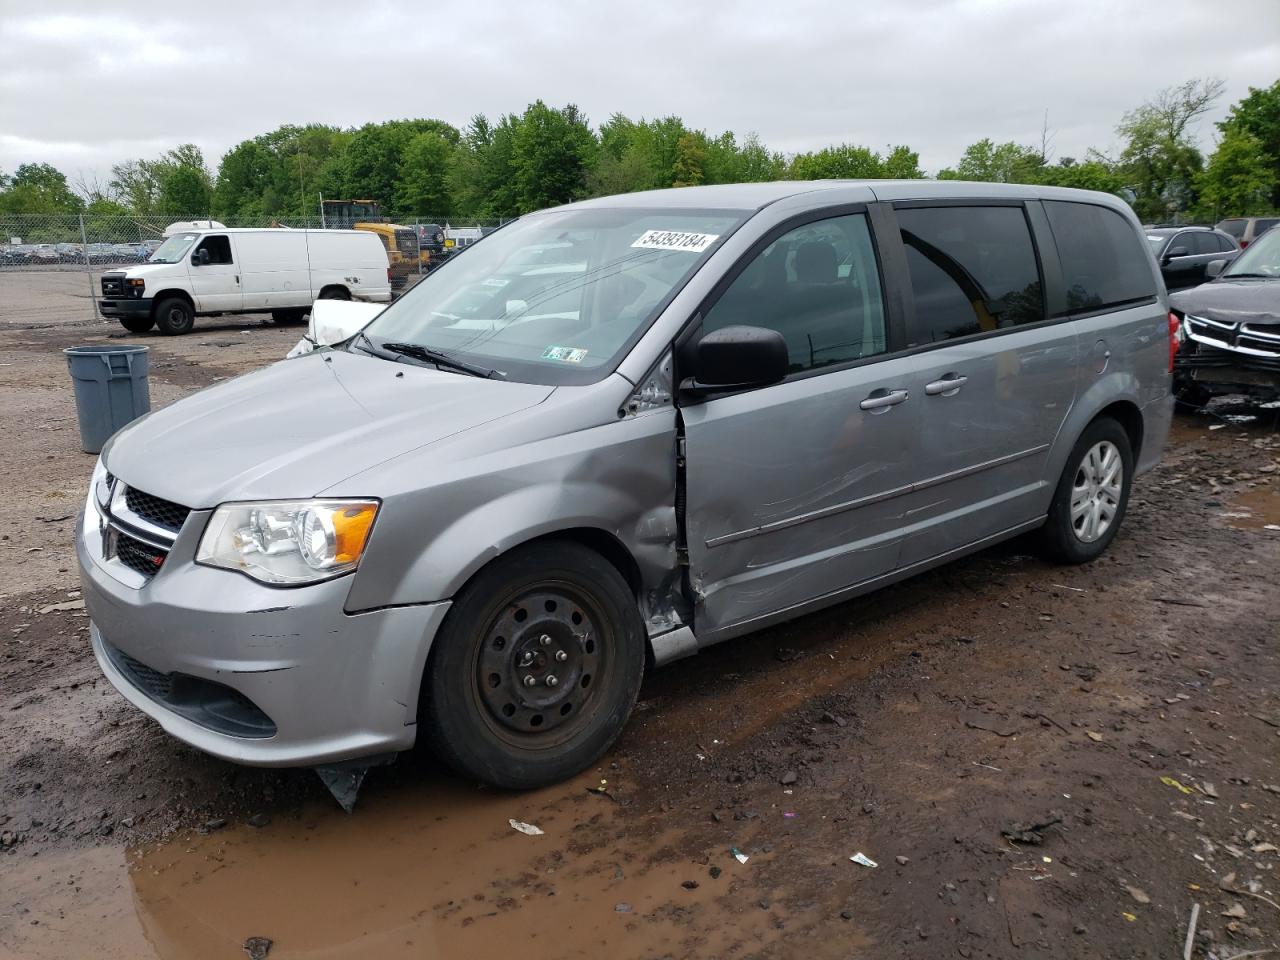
x,y
173,249
1156,242
1261,259
556,297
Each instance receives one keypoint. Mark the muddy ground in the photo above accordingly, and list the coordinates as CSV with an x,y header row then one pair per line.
x,y
1043,761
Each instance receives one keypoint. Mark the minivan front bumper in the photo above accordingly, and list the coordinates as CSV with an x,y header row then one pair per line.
x,y
252,674
126,307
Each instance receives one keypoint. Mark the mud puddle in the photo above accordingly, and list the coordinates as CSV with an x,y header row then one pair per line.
x,y
437,872
1256,509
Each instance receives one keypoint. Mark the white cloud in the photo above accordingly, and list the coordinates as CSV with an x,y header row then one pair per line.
x,y
82,86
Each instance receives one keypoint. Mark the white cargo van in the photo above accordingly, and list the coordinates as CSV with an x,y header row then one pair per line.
x,y
200,272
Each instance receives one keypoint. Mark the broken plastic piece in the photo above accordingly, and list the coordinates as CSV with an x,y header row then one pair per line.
x,y
344,779
528,829
739,855
1170,782
862,859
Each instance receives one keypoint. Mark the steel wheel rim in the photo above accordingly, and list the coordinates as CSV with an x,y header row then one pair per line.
x,y
541,663
1095,492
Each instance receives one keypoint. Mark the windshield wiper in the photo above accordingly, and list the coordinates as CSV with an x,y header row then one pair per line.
x,y
427,355
371,348
1252,276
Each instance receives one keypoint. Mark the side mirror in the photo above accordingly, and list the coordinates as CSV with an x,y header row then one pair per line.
x,y
1214,268
1175,252
200,258
333,321
737,358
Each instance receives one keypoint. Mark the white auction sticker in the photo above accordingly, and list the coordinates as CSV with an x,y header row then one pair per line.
x,y
676,240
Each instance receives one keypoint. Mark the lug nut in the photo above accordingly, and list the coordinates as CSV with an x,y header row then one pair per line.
x,y
529,681
561,656
544,640
551,680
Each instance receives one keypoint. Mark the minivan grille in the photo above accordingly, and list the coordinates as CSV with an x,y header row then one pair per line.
x,y
138,555
161,512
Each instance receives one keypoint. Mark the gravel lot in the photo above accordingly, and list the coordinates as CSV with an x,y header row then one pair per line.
x,y
1043,761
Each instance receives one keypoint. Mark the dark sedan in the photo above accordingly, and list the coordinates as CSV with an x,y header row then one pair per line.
x,y
1185,252
1231,327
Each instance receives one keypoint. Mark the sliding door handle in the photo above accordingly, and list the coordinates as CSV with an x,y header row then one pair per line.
x,y
881,400
948,386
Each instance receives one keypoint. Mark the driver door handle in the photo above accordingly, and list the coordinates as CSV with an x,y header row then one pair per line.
x,y
883,399
948,386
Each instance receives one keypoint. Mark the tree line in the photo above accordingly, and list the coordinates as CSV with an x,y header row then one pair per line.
x,y
548,155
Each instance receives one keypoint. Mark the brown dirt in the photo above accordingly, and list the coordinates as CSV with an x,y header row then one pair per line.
x,y
920,723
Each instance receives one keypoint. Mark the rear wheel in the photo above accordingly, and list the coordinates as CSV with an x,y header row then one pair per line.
x,y
1093,492
335,293
535,669
137,324
174,316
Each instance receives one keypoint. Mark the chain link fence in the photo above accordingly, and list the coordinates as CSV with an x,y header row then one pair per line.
x,y
51,265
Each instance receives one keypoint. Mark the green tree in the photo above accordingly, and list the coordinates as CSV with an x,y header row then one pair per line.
x,y
39,188
902,163
1159,158
991,162
422,187
846,161
1240,178
691,158
1258,115
551,151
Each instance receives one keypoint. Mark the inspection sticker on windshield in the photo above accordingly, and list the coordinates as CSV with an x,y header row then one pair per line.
x,y
564,354
676,240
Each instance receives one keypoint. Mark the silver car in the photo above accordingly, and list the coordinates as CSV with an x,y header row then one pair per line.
x,y
611,434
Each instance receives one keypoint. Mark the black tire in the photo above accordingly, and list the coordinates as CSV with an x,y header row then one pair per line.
x,y
335,293
174,316
1069,539
137,324
571,612
287,318
1193,396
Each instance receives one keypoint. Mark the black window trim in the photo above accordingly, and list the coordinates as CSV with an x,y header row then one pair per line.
x,y
1033,232
894,332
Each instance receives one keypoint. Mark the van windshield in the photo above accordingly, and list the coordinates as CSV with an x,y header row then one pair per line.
x,y
173,249
557,297
1262,259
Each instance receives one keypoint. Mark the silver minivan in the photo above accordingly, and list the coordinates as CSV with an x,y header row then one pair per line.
x,y
609,435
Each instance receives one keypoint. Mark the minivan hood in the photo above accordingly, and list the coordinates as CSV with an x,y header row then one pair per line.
x,y
299,426
144,270
1232,301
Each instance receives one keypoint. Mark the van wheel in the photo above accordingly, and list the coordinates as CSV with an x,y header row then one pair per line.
x,y
137,324
174,316
335,293
535,669
286,317
1092,495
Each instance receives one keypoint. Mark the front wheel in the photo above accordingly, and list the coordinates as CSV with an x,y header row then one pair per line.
x,y
535,669
175,316
1092,495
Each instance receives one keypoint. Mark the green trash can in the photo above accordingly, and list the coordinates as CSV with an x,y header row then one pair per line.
x,y
111,390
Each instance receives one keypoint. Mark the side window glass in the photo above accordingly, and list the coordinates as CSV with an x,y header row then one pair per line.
x,y
1103,263
816,285
973,270
1204,243
1225,244
219,249
1233,227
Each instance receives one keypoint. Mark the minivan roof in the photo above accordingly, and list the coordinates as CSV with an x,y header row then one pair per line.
x,y
755,196
272,230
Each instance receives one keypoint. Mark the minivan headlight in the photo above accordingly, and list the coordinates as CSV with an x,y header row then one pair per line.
x,y
288,542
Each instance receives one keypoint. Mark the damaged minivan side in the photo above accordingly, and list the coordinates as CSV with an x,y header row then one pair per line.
x,y
614,433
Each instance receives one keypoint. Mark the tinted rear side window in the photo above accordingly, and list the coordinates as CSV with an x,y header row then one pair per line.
x,y
1103,262
1262,226
1233,227
973,270
1225,244
1204,243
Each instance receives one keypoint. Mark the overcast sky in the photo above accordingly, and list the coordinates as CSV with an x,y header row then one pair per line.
x,y
83,85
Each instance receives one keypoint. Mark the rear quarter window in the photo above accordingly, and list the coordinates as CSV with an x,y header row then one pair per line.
x,y
1103,262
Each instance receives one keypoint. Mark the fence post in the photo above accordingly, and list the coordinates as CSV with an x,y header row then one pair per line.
x,y
88,269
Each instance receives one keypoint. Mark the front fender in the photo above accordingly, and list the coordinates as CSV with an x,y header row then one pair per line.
x,y
618,478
